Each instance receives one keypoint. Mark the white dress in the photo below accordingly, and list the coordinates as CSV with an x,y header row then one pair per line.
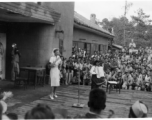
x,y
55,72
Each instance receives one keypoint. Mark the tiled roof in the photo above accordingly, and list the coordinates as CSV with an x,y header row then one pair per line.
x,y
79,19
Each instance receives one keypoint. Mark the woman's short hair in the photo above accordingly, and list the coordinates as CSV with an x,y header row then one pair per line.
x,y
56,50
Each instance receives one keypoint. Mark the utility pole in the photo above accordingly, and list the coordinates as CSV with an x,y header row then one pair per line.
x,y
125,25
127,6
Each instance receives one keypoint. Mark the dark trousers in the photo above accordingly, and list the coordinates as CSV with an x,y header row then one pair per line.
x,y
133,86
93,84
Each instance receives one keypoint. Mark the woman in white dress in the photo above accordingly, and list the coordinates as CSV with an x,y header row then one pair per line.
x,y
56,62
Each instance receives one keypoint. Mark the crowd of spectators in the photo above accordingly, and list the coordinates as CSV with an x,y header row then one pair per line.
x,y
132,68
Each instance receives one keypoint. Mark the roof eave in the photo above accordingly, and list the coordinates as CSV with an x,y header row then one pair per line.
x,y
31,11
117,46
76,25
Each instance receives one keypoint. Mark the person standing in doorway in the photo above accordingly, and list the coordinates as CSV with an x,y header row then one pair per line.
x,y
15,62
55,62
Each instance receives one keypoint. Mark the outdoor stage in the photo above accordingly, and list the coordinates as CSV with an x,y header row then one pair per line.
x,y
67,95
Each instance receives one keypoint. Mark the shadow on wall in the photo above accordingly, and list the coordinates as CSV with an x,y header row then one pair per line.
x,y
33,40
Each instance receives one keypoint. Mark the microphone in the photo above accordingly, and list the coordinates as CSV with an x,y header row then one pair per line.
x,y
58,56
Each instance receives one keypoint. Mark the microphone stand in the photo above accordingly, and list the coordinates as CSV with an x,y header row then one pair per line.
x,y
78,105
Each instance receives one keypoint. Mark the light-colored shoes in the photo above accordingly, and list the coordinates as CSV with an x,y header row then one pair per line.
x,y
55,96
51,97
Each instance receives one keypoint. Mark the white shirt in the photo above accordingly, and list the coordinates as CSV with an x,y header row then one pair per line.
x,y
132,45
147,78
4,117
98,71
78,66
93,71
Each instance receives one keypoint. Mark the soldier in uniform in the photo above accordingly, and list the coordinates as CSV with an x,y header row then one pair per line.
x,y
15,62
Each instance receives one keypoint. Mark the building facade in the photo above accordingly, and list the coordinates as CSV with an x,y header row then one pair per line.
x,y
89,36
37,28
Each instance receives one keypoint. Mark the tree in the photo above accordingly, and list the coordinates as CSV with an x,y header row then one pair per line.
x,y
139,29
118,26
105,24
141,22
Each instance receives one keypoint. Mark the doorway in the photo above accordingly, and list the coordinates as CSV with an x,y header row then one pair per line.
x,y
2,55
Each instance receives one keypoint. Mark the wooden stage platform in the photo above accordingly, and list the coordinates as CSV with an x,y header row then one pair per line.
x,y
67,95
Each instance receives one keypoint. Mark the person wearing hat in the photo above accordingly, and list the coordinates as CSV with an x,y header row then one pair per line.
x,y
97,75
138,110
55,74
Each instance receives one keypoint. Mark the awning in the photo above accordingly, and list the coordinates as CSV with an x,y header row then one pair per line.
x,y
27,12
117,46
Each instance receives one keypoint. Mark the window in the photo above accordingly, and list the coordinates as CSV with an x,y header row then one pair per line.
x,y
96,47
104,48
101,48
75,44
87,47
78,45
81,45
61,46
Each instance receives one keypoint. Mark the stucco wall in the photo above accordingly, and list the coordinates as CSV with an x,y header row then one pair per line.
x,y
66,22
35,42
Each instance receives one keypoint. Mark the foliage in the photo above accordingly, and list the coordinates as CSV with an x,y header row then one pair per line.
x,y
139,28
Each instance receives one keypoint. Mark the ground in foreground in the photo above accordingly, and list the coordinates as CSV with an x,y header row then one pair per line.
x,y
119,103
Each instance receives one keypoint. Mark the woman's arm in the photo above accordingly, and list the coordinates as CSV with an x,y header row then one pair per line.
x,y
51,64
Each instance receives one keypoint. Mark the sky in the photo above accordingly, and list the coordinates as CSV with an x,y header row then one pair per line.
x,y
111,8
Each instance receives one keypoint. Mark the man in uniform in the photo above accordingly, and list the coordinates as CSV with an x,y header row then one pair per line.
x,y
15,62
